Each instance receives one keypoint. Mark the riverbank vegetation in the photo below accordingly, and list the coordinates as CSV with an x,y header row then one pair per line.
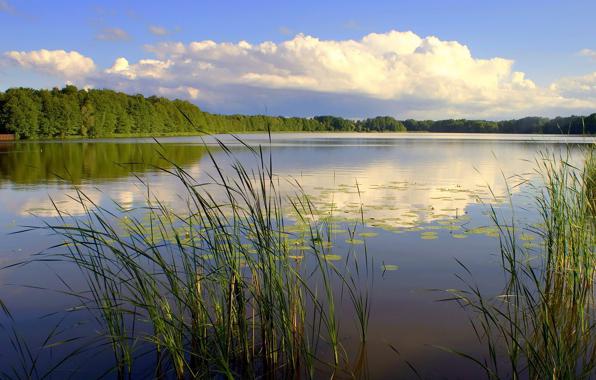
x,y
543,324
232,286
60,113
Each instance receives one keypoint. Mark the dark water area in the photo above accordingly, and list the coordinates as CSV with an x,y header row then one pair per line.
x,y
425,201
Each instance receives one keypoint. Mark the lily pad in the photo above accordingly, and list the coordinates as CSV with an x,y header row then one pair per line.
x,y
368,234
332,257
429,235
527,237
354,241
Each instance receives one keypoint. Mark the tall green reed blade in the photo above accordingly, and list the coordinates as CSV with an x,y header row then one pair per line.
x,y
543,325
213,289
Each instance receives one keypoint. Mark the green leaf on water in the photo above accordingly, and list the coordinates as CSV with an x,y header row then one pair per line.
x,y
368,234
332,257
354,241
527,237
429,235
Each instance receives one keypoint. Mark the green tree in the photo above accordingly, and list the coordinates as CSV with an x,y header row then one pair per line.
x,y
21,112
88,119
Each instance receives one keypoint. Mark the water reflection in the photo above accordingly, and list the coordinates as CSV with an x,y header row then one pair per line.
x,y
41,163
400,183
426,189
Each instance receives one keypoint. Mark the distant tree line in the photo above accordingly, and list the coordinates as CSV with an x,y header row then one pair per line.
x,y
560,125
59,113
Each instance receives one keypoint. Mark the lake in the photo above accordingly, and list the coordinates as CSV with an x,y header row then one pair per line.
x,y
422,203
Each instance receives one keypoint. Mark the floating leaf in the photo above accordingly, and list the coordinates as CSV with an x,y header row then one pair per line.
x,y
368,234
429,235
332,257
354,241
326,244
527,237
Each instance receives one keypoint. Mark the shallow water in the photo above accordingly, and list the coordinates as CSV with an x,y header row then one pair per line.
x,y
424,200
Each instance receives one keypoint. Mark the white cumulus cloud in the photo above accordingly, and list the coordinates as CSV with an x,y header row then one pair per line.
x,y
395,73
403,72
179,92
145,68
583,87
393,65
66,64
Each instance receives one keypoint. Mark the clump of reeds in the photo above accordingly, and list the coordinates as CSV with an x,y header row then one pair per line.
x,y
591,179
543,325
216,289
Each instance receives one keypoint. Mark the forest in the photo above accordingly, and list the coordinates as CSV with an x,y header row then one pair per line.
x,y
71,112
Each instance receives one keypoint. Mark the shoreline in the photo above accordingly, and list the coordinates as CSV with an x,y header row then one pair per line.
x,y
428,134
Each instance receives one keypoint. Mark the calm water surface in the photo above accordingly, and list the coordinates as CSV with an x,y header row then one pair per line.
x,y
425,200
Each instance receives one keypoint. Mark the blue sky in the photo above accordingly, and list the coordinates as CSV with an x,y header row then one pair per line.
x,y
542,39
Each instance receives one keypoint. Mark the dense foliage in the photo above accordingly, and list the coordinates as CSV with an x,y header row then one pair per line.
x,y
30,113
66,112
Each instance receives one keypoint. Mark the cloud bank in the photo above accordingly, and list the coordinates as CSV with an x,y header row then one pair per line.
x,y
395,73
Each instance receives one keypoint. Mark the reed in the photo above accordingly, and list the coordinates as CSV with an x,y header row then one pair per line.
x,y
543,324
216,289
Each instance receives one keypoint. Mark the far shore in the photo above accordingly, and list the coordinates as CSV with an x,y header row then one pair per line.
x,y
198,134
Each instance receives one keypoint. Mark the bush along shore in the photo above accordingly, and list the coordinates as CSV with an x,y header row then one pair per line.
x,y
69,112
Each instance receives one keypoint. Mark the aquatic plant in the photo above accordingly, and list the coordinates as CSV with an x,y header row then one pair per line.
x,y
216,290
543,324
